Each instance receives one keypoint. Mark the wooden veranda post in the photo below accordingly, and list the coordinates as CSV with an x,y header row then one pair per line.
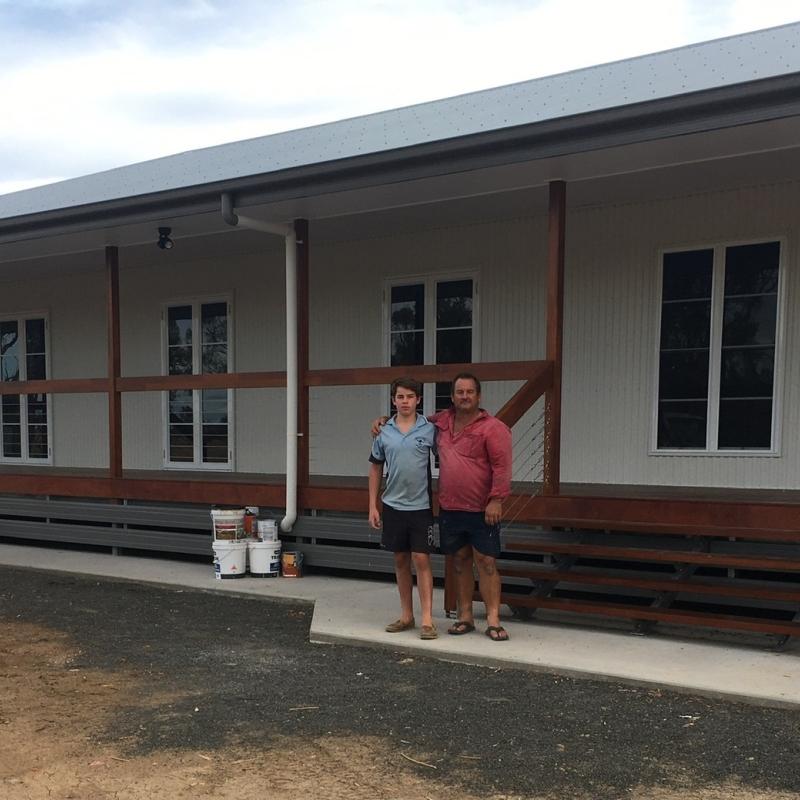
x,y
114,397
303,464
555,319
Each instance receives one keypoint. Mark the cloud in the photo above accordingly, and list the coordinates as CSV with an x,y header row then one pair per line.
x,y
89,84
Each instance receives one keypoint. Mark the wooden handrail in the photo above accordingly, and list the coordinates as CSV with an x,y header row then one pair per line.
x,y
425,373
513,411
366,376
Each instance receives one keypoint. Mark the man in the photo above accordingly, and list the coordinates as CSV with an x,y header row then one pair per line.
x,y
404,445
474,480
474,451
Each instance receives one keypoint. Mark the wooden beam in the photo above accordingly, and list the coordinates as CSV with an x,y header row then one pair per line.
x,y
556,239
226,380
526,396
428,373
57,386
303,400
114,363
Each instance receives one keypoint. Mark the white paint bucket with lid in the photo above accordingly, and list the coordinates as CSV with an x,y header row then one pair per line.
x,y
265,559
268,530
230,559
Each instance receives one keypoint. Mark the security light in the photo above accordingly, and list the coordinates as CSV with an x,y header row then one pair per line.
x,y
164,242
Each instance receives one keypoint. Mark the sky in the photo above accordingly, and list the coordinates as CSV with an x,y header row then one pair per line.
x,y
87,85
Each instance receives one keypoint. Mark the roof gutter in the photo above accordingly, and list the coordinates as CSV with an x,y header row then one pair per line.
x,y
230,216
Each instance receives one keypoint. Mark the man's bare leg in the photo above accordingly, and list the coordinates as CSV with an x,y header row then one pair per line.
x,y
490,586
422,566
465,578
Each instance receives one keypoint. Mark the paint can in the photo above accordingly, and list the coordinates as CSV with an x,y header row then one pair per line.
x,y
228,525
265,559
230,559
267,530
292,563
250,520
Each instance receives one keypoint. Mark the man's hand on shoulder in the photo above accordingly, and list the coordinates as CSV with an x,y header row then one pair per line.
x,y
377,424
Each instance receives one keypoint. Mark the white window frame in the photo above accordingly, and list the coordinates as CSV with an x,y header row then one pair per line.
x,y
430,280
715,353
21,318
196,301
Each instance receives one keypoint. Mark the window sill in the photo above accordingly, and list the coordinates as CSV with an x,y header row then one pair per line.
x,y
717,453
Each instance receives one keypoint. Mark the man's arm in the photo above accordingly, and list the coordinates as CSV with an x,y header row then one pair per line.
x,y
498,446
377,424
375,476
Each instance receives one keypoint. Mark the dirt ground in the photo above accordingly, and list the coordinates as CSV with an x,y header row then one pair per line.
x,y
85,723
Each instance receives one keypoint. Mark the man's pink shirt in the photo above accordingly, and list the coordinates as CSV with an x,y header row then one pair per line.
x,y
475,464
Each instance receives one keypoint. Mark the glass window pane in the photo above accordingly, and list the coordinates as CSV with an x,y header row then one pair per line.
x,y
37,409
36,368
745,424
181,443
682,424
747,372
454,346
180,360
752,268
215,406
407,349
34,337
214,323
179,325
215,358
749,320
9,350
11,430
454,304
180,407
37,441
688,274
685,324
443,399
683,375
408,308
215,444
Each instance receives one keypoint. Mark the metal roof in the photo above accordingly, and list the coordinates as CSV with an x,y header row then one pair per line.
x,y
684,71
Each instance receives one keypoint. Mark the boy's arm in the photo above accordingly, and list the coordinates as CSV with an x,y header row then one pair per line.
x,y
375,475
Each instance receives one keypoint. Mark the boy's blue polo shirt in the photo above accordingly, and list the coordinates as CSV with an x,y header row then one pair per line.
x,y
407,458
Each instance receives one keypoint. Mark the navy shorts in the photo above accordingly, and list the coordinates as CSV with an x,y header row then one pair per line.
x,y
459,528
407,531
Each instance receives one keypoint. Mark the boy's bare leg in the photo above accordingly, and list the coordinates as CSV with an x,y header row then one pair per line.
x,y
405,584
422,566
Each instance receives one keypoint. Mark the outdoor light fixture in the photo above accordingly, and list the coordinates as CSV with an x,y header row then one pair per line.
x,y
164,242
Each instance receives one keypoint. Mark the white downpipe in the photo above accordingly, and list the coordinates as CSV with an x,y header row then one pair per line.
x,y
290,240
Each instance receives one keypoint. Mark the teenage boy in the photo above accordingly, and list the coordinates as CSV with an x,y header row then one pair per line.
x,y
404,445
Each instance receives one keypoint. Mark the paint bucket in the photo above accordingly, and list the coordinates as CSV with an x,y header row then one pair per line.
x,y
265,559
268,530
230,559
250,519
292,563
228,525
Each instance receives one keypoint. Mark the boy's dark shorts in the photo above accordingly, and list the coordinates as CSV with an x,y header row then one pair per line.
x,y
459,528
407,531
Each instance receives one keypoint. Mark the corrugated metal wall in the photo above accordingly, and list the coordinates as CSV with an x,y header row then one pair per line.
x,y
610,335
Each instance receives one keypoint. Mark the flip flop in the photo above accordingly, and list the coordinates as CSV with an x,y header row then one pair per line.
x,y
460,627
500,633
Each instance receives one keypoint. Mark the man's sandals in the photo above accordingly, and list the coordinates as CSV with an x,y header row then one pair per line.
x,y
460,627
497,633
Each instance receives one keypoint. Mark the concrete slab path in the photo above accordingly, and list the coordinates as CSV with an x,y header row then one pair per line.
x,y
355,612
